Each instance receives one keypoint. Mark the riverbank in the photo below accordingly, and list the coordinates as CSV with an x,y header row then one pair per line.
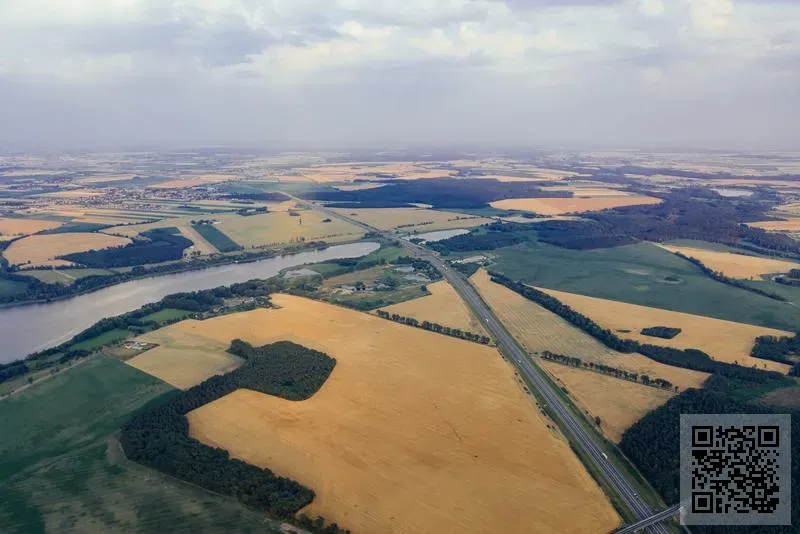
x,y
36,327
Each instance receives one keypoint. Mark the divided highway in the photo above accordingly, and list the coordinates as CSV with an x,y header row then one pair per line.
x,y
577,434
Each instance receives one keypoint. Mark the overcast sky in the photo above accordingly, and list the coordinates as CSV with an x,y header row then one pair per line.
x,y
702,73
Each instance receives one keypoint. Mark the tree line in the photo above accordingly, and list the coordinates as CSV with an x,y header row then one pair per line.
x,y
159,437
572,361
694,359
435,327
719,277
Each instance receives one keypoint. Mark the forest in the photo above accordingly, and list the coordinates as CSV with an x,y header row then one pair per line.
x,y
694,359
779,349
653,443
163,244
664,332
159,437
447,193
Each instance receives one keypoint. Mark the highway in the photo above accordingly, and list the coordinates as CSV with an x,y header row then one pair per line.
x,y
578,435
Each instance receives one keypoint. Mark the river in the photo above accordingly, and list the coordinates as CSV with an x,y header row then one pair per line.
x,y
32,328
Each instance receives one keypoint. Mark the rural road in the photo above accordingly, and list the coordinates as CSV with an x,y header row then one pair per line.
x,y
577,434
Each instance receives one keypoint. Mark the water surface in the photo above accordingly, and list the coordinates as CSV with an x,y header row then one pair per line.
x,y
28,329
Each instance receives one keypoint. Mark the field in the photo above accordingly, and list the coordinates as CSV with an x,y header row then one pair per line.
x,y
214,238
167,314
192,181
104,338
281,227
478,454
723,340
9,287
642,274
618,403
442,306
588,191
10,228
539,330
789,225
62,473
735,265
66,276
201,245
411,219
559,206
180,362
42,249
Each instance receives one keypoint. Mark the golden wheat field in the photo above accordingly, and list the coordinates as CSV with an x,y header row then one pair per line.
x,y
410,219
735,265
73,193
10,228
558,206
413,431
789,225
106,178
43,249
618,403
539,330
443,306
183,359
725,341
281,227
200,243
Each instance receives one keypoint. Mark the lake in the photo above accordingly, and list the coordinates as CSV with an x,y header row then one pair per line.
x,y
440,235
32,328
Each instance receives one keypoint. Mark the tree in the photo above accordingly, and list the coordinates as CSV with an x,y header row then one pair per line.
x,y
597,420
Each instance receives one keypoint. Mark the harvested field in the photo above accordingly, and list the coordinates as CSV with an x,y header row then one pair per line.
x,y
182,359
281,227
43,249
735,265
618,403
789,225
10,228
108,178
200,244
558,206
73,193
358,187
413,431
539,330
725,341
588,192
785,397
410,219
192,181
442,306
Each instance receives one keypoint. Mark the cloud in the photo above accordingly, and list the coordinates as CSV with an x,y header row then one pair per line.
x,y
399,71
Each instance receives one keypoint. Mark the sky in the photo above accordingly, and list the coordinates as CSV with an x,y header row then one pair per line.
x,y
368,73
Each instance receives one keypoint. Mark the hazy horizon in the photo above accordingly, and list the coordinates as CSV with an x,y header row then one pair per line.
x,y
711,74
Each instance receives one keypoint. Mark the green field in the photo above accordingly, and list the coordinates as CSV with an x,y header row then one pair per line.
x,y
103,339
637,274
66,276
167,314
61,471
10,287
216,237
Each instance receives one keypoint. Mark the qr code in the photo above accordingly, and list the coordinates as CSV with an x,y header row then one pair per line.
x,y
735,469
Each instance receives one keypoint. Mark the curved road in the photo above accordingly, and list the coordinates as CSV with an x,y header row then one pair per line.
x,y
509,346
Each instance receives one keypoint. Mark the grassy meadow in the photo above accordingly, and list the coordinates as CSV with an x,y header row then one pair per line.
x,y
61,472
641,274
